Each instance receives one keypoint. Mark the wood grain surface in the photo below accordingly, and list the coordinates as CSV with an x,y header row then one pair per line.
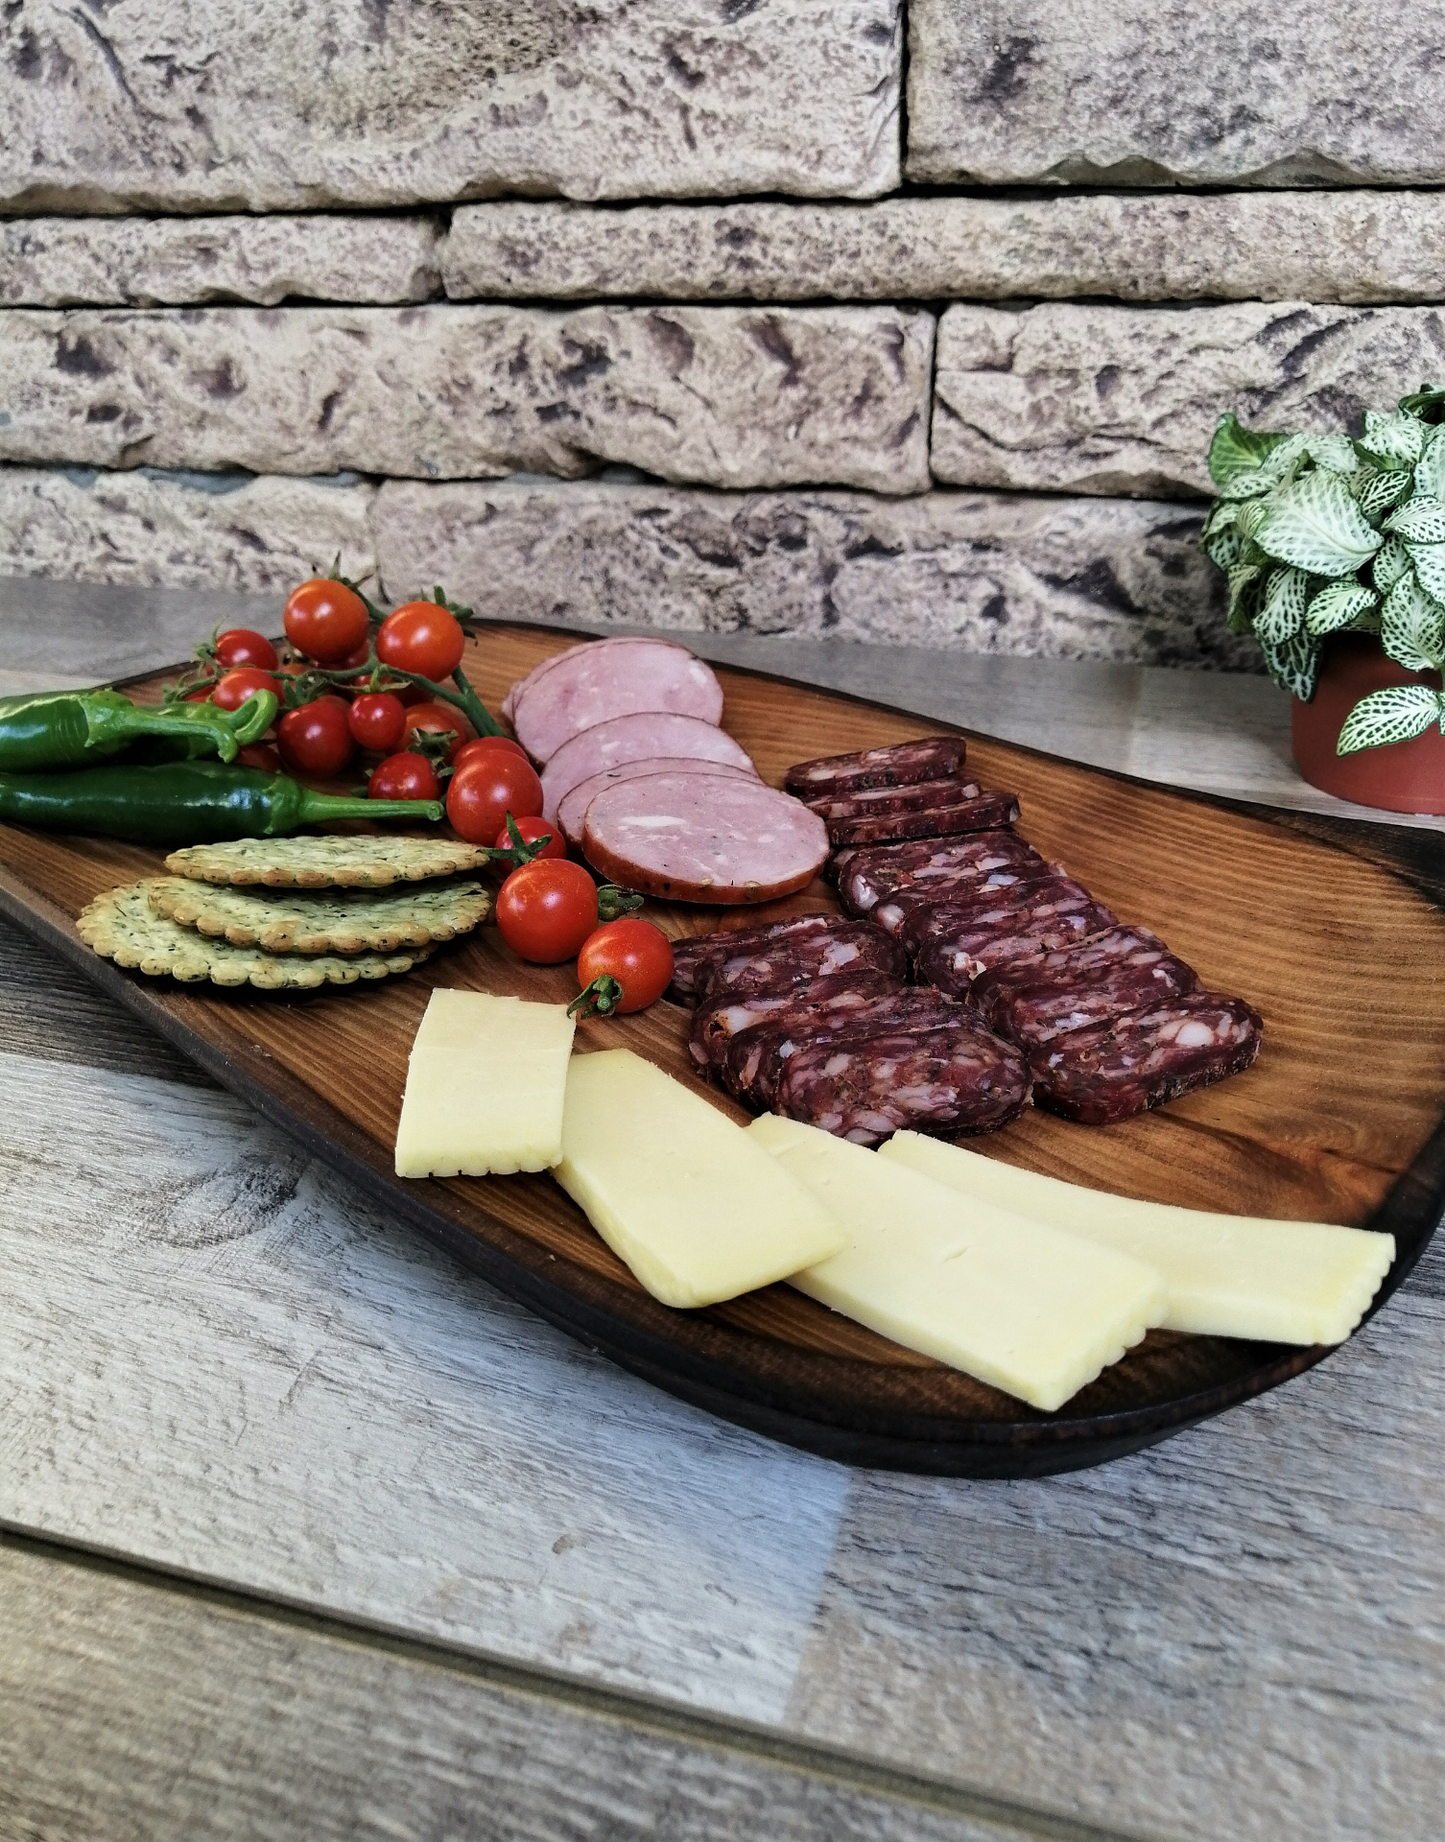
x,y
1329,943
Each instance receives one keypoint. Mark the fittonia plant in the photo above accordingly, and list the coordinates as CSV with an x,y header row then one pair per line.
x,y
1324,534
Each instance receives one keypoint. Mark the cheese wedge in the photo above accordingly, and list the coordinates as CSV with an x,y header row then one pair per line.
x,y
484,1087
1225,1275
677,1190
1017,1304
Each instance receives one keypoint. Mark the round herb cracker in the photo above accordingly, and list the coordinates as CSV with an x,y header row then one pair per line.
x,y
363,861
323,921
123,926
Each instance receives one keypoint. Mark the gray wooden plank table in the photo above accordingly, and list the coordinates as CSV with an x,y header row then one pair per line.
x,y
305,1531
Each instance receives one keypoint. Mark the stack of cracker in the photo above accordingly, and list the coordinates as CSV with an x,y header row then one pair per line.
x,y
286,914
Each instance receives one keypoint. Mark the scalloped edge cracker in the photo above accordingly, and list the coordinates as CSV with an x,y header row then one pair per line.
x,y
361,861
323,921
123,926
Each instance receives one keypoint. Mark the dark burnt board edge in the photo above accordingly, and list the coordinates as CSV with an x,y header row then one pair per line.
x,y
877,1439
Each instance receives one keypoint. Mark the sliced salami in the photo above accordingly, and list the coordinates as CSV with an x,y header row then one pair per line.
x,y
718,1021
957,898
1031,1000
874,802
1034,900
1114,1070
866,876
985,813
900,764
788,960
695,838
592,684
692,954
948,1080
572,807
755,1059
644,734
954,961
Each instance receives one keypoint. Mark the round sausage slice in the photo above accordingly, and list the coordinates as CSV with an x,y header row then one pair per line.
x,y
572,807
594,683
634,738
509,702
691,837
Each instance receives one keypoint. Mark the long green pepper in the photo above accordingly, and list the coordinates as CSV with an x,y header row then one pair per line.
x,y
185,802
43,732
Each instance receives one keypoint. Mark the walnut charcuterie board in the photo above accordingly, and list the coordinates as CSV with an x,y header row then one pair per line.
x,y
1335,932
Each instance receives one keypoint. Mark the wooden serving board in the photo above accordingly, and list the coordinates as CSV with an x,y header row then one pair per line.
x,y
1336,932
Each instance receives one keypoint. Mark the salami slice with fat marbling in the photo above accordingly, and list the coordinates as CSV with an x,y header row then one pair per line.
x,y
865,875
947,1080
985,813
898,764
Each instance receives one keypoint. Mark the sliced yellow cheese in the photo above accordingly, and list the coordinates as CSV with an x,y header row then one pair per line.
x,y
677,1190
1226,1275
1019,1305
484,1087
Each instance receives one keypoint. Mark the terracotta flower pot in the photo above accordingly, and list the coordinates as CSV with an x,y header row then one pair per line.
x,y
1401,776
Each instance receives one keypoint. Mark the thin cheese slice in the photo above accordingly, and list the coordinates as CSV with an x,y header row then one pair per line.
x,y
484,1087
1019,1305
677,1190
1226,1275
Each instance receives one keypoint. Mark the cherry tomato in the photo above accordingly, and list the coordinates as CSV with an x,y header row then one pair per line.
x,y
316,739
326,620
232,690
480,795
244,646
546,909
435,719
635,953
422,636
533,828
470,751
404,777
261,755
377,721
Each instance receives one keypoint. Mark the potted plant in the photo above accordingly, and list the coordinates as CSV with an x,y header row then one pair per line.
x,y
1334,547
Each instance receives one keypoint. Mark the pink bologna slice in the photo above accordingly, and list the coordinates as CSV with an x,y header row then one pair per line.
x,y
509,702
572,807
696,838
595,683
634,738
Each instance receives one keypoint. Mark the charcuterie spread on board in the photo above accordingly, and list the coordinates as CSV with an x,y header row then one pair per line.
x,y
943,980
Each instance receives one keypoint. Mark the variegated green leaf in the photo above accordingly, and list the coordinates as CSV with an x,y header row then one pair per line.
x,y
1419,521
1236,449
1244,579
1392,715
1412,626
1249,485
1282,612
1376,492
1338,605
1249,518
1430,469
1294,666
1429,561
1221,518
1315,524
1392,559
1224,549
1336,453
1398,440
1425,401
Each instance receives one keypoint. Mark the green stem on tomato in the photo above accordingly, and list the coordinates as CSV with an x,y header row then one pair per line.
x,y
599,999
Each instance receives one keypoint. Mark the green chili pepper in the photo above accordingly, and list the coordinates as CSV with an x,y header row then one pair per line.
x,y
44,731
185,802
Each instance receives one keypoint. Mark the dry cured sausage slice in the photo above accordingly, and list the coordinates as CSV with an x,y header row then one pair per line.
x,y
716,1022
634,738
1032,902
878,801
572,807
899,764
696,838
954,961
947,1080
1048,993
755,1059
866,875
985,813
1116,1069
905,912
783,961
592,684
692,954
